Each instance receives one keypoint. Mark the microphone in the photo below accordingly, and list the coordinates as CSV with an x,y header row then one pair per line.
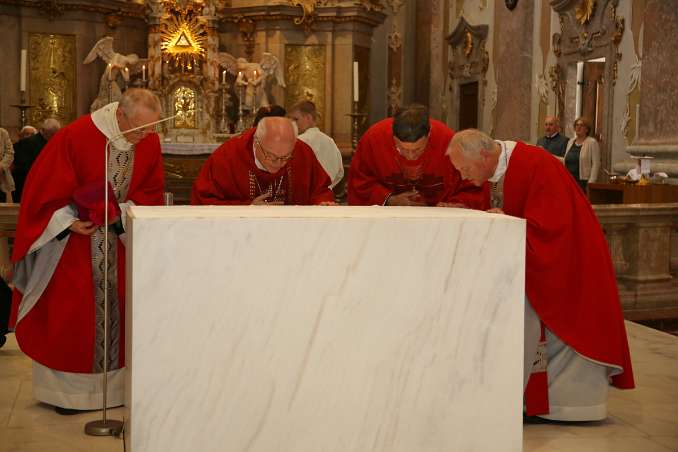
x,y
110,424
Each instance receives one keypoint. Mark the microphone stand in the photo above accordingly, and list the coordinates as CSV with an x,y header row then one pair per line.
x,y
105,426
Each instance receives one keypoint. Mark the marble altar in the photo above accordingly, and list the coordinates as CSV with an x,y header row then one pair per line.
x,y
324,329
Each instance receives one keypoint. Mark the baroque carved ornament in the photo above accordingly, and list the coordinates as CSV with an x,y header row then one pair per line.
x,y
586,25
395,40
469,57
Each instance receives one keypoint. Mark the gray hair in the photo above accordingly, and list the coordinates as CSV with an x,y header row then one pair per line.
x,y
262,127
136,97
28,129
471,142
51,125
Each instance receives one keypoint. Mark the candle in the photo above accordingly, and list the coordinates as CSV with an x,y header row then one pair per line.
x,y
223,77
110,72
22,82
356,96
143,73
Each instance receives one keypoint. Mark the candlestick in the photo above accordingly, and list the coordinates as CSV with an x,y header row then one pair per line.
x,y
356,120
22,82
23,107
356,95
143,73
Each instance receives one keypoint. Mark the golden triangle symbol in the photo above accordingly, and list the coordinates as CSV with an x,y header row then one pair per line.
x,y
183,41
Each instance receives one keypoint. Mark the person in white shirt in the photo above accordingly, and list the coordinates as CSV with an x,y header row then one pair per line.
x,y
326,151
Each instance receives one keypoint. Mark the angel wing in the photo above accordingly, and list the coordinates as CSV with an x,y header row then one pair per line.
x,y
103,48
271,67
228,61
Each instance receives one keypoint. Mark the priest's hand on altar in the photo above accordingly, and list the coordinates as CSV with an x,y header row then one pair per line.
x,y
408,198
495,210
83,227
328,203
262,200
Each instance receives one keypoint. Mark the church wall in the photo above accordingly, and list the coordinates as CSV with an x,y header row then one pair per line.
x,y
17,23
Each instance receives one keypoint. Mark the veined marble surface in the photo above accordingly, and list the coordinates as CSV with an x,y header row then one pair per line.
x,y
324,329
188,148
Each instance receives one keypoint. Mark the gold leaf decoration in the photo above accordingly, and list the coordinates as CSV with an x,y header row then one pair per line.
x,y
183,41
584,11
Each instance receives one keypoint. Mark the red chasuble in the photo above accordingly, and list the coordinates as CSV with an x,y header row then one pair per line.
x,y
378,170
569,277
230,177
59,331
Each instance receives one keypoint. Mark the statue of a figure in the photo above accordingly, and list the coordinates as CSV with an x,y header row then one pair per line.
x,y
255,79
118,65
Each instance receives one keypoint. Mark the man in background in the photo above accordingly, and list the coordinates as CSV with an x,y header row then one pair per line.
x,y
553,141
305,115
27,131
27,150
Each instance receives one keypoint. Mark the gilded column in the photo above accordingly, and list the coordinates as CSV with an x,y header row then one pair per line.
x,y
156,11
395,59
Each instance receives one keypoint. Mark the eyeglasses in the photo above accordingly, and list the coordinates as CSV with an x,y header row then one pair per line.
x,y
579,124
270,156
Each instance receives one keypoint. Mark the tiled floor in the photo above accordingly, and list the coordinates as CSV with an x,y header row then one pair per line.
x,y
642,420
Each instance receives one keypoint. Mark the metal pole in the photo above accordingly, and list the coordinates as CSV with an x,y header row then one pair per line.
x,y
105,427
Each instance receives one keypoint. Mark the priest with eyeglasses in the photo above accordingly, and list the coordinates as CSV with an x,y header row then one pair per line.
x,y
266,165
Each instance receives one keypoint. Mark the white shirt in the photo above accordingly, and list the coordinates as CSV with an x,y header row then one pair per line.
x,y
504,157
326,151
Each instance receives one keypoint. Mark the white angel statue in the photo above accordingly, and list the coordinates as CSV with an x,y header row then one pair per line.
x,y
118,64
254,78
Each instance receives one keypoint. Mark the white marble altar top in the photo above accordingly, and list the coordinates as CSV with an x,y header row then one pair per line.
x,y
310,212
188,148
324,328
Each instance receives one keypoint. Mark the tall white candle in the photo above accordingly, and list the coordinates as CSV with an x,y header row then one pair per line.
x,y
110,71
223,77
356,90
143,73
22,82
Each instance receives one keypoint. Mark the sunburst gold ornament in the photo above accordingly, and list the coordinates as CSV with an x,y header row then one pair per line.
x,y
183,41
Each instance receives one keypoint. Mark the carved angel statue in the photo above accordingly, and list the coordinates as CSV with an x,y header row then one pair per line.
x,y
118,65
255,79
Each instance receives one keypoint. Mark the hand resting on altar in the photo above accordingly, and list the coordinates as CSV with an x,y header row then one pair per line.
x,y
408,198
262,200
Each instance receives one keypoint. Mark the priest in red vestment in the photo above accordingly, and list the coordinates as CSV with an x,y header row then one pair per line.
x,y
575,339
263,166
58,251
401,161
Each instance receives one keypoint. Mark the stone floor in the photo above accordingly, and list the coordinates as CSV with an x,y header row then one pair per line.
x,y
645,419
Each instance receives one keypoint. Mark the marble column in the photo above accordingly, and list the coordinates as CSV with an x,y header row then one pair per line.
x,y
513,39
657,132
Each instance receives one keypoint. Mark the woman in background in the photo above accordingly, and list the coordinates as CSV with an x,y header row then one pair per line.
x,y
582,154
